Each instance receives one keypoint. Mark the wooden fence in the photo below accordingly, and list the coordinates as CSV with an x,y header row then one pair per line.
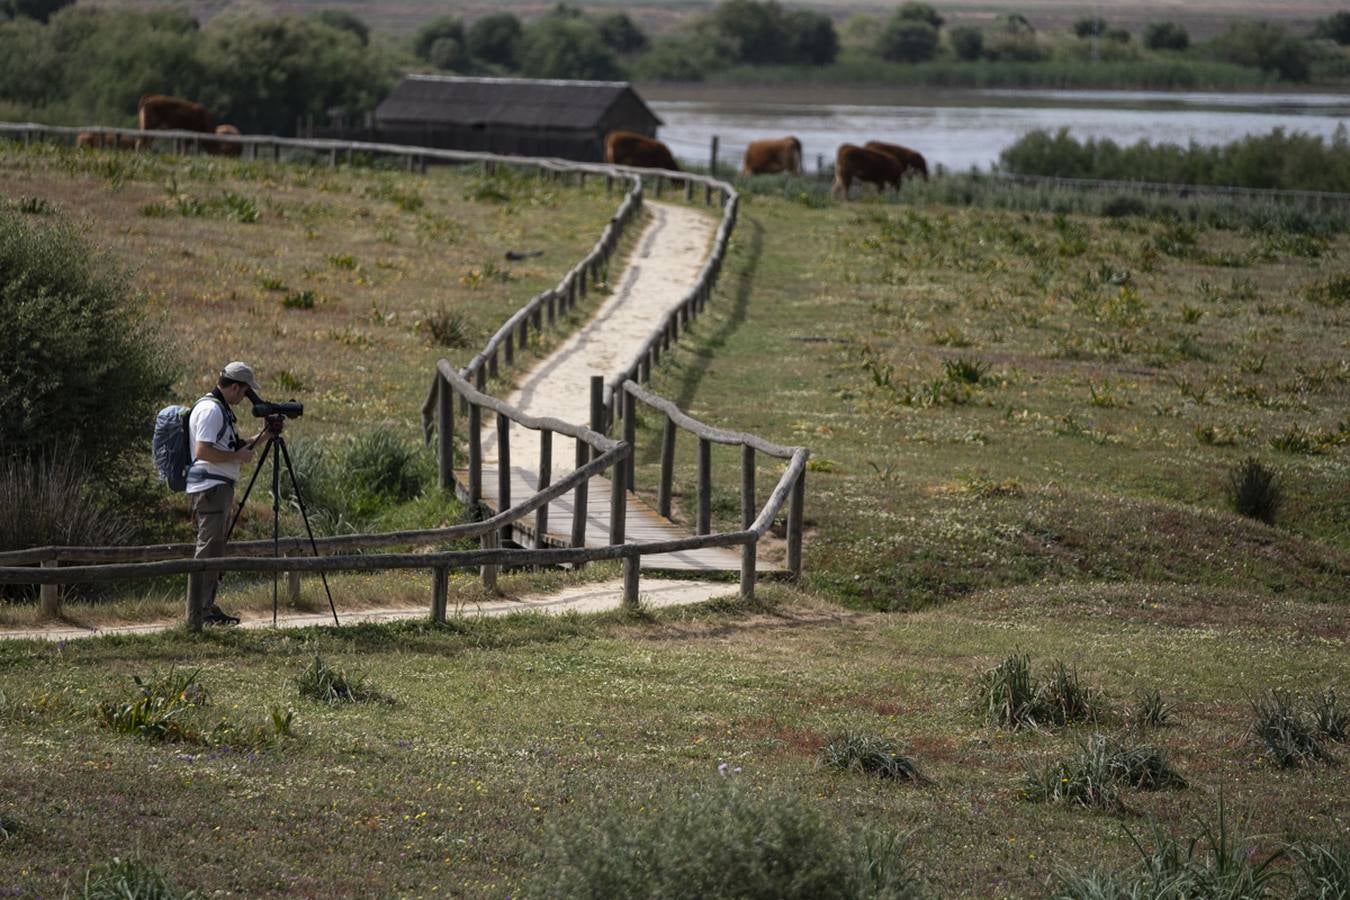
x,y
595,452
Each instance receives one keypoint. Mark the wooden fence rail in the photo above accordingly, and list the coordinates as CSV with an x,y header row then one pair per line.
x,y
595,451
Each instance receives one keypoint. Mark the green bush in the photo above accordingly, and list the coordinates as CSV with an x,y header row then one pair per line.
x,y
1264,45
907,41
1255,491
556,47
1009,696
495,39
348,484
967,42
719,840
1331,720
1166,36
1290,738
80,365
328,684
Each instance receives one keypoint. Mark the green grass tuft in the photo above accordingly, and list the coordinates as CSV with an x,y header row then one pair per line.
x,y
127,879
328,684
870,754
1290,738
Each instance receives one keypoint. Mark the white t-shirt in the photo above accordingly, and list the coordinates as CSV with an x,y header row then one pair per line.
x,y
205,424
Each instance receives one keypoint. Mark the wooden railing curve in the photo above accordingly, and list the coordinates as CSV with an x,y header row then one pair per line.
x,y
600,452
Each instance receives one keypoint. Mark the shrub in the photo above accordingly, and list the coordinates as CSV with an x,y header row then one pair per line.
x,y
967,42
1087,779
719,841
122,879
907,41
555,47
1334,290
76,348
1264,45
1335,27
347,485
1255,491
1066,701
1297,439
495,39
872,755
1089,27
329,684
965,371
1166,36
1290,739
157,711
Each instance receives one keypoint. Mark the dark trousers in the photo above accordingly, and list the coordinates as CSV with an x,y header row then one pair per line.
x,y
212,511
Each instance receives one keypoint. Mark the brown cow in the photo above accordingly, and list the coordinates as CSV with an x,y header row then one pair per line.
x,y
223,148
158,112
624,148
871,166
773,155
909,160
98,140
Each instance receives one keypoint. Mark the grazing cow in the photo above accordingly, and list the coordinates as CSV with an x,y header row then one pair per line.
x,y
624,148
223,148
909,160
158,112
871,166
98,140
773,155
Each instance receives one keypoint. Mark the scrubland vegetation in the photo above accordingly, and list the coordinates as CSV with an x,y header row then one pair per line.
x,y
1074,616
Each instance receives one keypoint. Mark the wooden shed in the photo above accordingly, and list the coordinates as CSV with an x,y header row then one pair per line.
x,y
520,116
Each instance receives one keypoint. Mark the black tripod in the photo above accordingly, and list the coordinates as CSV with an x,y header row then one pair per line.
x,y
282,454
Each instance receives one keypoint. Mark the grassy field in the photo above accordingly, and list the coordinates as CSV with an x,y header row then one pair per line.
x,y
1022,424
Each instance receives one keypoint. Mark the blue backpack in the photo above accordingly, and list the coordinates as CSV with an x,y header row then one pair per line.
x,y
171,446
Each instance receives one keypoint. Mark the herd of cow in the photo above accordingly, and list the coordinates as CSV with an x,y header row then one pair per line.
x,y
876,162
156,112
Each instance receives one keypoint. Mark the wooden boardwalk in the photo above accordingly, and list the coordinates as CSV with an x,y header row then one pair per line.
x,y
670,251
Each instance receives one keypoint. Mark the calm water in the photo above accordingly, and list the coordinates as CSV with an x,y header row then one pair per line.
x,y
961,131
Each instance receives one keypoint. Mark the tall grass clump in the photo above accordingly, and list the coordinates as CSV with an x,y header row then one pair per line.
x,y
49,501
1094,775
719,840
1009,696
1151,711
328,684
1323,870
1290,738
1330,718
158,708
1220,861
348,484
1255,491
870,754
131,878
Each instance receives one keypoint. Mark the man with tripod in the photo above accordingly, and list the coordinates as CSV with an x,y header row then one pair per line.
x,y
217,455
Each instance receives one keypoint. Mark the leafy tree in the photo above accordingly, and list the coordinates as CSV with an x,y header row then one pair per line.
x,y
1090,27
1334,27
621,35
811,38
40,10
755,29
1014,23
919,12
1166,36
1264,45
80,365
562,47
967,42
444,28
859,32
265,73
495,39
340,18
907,40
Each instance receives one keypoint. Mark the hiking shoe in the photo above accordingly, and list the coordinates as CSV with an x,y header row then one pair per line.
x,y
217,616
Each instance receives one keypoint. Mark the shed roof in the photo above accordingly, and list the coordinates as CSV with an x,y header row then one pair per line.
x,y
526,102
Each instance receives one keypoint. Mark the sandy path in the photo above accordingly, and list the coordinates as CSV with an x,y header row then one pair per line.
x,y
584,598
670,252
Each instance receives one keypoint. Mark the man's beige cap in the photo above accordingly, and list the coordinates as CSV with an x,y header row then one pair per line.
x,y
241,371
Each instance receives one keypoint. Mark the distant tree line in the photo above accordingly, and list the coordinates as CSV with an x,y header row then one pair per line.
x,y
76,63
1279,160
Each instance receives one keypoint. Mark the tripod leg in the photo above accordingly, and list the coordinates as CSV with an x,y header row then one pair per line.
x,y
276,525
304,514
248,490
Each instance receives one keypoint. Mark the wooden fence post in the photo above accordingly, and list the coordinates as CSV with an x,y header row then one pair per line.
x,y
579,500
510,350
667,468
489,570
712,157
49,595
504,470
618,500
630,408
545,479
293,588
632,564
747,519
445,432
688,189
440,590
475,458
598,424
704,523
794,526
